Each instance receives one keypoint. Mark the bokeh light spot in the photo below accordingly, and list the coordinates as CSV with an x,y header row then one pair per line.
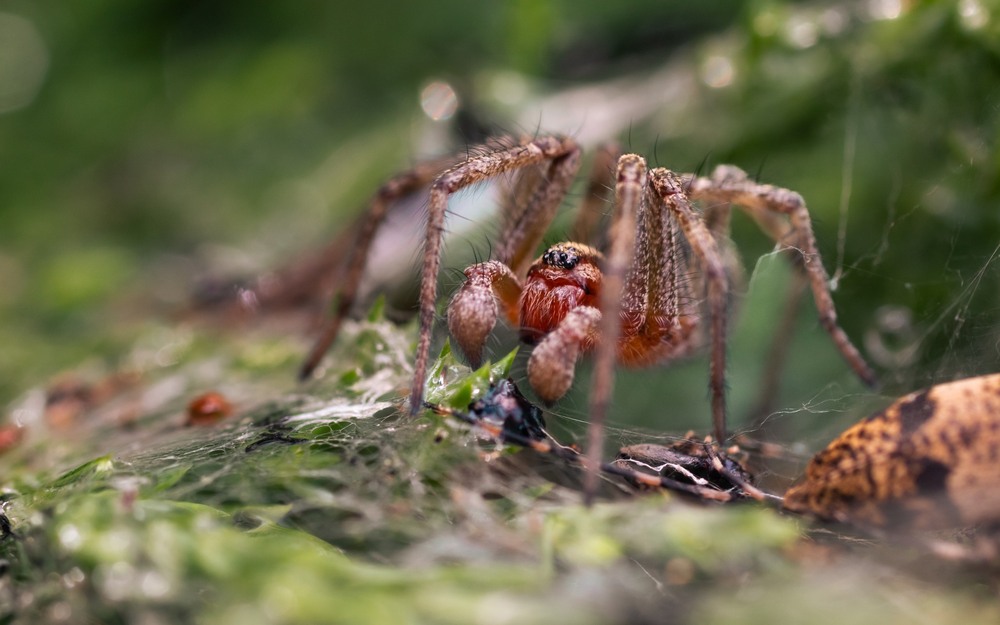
x,y
885,9
439,100
973,14
717,71
24,62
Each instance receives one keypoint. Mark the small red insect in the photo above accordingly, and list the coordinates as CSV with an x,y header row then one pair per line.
x,y
10,436
208,408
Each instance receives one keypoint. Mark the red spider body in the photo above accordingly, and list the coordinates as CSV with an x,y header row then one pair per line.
x,y
553,287
645,342
568,276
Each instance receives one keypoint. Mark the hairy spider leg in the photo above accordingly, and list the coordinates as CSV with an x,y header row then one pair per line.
x,y
782,215
564,155
717,217
730,185
668,193
387,195
630,182
595,201
534,206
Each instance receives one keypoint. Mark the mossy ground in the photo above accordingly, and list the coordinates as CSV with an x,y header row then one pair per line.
x,y
199,138
326,504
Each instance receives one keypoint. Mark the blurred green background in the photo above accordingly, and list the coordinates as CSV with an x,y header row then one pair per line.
x,y
143,146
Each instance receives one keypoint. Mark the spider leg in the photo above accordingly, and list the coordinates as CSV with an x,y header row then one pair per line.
x,y
391,191
552,363
521,221
536,198
737,479
659,315
595,200
472,312
717,216
762,201
629,192
563,153
669,193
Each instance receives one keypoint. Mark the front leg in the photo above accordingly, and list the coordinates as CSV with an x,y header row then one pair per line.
x,y
553,362
473,310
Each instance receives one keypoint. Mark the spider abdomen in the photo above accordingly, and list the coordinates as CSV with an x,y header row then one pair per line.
x,y
657,339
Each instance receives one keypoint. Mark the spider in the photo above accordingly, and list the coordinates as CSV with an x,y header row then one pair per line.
x,y
637,303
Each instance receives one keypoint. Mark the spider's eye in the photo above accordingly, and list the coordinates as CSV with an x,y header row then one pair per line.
x,y
562,257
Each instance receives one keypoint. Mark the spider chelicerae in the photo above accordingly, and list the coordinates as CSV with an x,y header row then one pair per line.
x,y
645,299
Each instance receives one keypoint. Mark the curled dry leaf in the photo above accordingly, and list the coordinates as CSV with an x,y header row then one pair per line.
x,y
929,460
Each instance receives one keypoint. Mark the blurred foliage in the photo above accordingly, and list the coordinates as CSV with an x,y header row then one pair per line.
x,y
143,145
206,122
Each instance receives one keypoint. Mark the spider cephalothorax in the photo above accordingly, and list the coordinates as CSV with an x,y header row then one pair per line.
x,y
645,299
559,298
565,277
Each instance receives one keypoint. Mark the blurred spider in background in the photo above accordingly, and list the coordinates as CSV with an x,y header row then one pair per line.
x,y
647,298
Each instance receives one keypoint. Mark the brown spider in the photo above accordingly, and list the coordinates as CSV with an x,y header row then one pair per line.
x,y
636,304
